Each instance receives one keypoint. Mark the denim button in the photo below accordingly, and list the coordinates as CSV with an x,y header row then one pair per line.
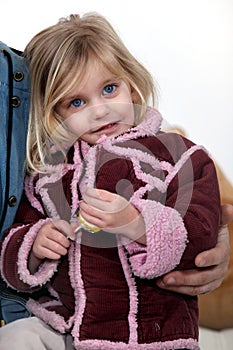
x,y
15,101
18,76
12,201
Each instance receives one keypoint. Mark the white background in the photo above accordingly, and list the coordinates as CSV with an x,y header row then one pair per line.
x,y
186,44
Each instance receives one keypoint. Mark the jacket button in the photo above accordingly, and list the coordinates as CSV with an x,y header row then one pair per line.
x,y
15,101
18,76
12,201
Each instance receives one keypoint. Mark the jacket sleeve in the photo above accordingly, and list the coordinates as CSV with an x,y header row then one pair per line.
x,y
182,225
166,237
16,246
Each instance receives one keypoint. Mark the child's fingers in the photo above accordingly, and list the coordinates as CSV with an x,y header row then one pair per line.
x,y
101,195
91,212
65,228
103,200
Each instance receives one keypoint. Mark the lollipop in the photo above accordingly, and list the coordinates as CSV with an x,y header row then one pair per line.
x,y
86,225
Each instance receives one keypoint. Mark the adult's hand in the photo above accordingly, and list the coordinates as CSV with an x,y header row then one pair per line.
x,y
211,265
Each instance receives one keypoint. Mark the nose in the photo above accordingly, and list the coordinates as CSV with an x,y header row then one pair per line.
x,y
100,110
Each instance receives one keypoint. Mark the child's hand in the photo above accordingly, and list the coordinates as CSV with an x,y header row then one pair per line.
x,y
52,240
112,213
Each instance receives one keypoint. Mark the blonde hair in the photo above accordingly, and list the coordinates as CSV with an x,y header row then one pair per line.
x,y
58,57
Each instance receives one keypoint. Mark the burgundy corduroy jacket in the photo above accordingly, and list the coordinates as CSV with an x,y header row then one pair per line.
x,y
104,291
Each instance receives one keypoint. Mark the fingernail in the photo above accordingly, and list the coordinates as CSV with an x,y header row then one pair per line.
x,y
202,263
170,281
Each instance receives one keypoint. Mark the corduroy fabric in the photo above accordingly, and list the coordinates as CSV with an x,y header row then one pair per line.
x,y
104,292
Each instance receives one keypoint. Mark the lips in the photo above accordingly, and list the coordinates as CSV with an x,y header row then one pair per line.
x,y
104,127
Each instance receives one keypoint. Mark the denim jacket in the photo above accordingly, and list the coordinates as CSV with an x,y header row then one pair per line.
x,y
14,105
14,110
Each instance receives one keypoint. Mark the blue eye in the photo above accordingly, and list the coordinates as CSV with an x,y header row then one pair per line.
x,y
78,102
109,89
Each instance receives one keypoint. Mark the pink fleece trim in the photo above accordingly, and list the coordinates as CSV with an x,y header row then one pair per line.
x,y
41,187
190,343
166,240
53,292
137,156
77,172
183,159
49,317
151,181
4,247
55,173
75,198
77,284
29,190
149,126
133,296
90,175
46,269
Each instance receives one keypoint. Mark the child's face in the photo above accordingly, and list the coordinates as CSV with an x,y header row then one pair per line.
x,y
100,104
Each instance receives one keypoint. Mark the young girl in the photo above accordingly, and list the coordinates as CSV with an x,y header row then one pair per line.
x,y
110,202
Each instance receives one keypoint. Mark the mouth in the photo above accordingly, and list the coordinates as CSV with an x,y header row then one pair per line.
x,y
104,127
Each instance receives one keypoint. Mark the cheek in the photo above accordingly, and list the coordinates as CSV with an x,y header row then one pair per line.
x,y
127,112
77,124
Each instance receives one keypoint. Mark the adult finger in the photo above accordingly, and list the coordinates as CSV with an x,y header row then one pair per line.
x,y
227,214
220,254
190,282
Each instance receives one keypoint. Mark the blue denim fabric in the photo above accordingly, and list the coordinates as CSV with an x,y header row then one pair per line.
x,y
13,310
19,129
14,97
